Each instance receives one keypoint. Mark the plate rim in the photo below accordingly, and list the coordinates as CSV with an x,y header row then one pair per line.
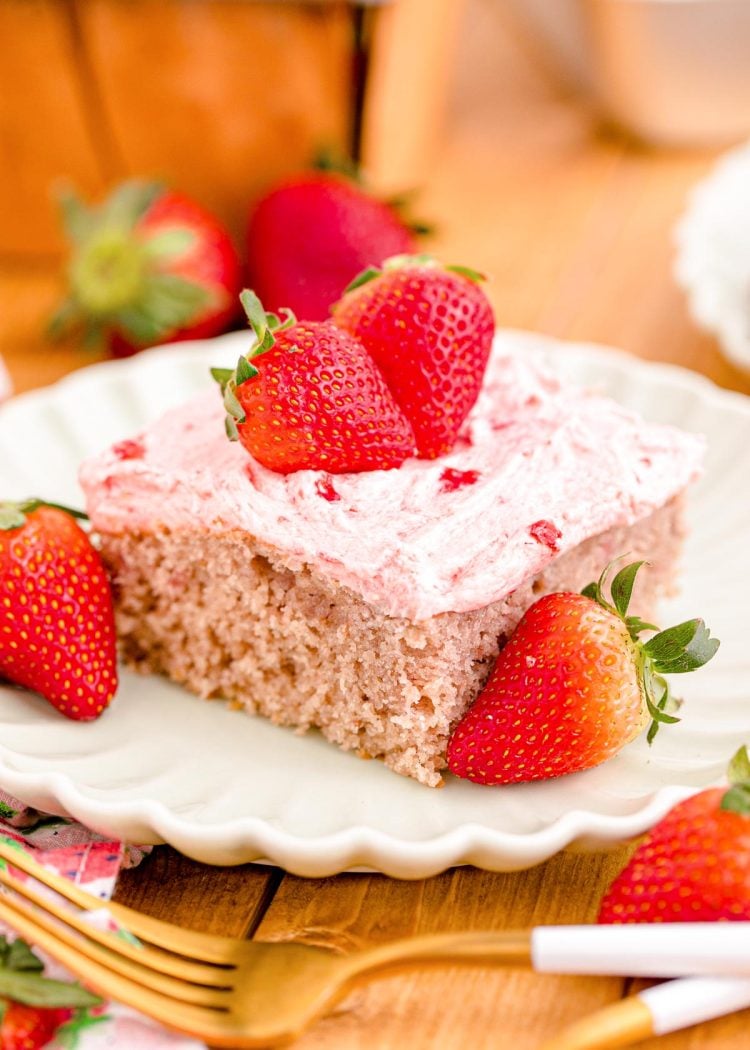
x,y
246,839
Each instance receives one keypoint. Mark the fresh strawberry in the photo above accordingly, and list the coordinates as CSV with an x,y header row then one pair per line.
x,y
573,685
148,266
694,865
429,329
309,397
312,234
57,633
30,1027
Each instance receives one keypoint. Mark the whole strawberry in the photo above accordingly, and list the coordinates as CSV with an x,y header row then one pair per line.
x,y
309,397
147,266
694,865
57,632
311,235
429,328
573,685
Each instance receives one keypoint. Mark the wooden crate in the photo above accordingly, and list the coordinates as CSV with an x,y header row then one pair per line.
x,y
218,97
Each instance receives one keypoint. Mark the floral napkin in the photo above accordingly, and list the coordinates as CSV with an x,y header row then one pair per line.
x,y
93,863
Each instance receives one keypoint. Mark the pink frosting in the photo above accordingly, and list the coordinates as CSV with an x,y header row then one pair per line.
x,y
539,468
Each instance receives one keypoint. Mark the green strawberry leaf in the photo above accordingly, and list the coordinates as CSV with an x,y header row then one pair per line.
x,y
737,799
280,324
78,219
222,376
33,990
398,262
174,301
170,242
591,590
128,203
68,1036
621,587
244,371
256,315
682,648
264,345
338,163
466,271
232,405
660,716
636,626
738,770
231,428
64,319
21,957
93,335
363,278
660,701
11,517
137,325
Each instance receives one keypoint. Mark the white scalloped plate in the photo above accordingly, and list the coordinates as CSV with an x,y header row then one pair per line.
x,y
163,766
713,254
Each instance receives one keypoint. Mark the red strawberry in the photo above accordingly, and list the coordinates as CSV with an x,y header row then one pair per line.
x,y
30,1027
57,633
429,329
573,685
148,266
694,865
311,235
309,397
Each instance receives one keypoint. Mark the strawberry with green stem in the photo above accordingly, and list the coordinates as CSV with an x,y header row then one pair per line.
x,y
148,266
309,397
694,864
429,328
57,631
573,685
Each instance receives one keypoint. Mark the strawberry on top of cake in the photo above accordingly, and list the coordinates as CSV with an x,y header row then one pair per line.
x,y
539,467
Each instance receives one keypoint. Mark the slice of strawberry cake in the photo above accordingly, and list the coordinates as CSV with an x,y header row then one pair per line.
x,y
370,603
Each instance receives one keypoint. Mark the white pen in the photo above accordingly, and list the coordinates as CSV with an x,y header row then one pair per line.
x,y
666,1007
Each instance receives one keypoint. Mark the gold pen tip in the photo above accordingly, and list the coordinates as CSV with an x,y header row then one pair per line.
x,y
620,1024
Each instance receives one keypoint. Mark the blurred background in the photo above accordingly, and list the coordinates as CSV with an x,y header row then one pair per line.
x,y
549,143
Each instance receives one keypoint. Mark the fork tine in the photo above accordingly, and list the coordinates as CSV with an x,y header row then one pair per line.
x,y
154,958
195,1020
114,961
199,1021
200,946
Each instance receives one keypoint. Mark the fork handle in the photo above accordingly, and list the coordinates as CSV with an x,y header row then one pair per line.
x,y
643,950
508,948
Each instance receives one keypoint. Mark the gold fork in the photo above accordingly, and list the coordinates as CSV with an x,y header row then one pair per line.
x,y
225,992
251,993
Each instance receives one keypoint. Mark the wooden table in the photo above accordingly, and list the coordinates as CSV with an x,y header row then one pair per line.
x,y
574,225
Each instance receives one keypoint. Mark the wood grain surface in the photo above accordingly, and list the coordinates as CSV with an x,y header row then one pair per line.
x,y
574,225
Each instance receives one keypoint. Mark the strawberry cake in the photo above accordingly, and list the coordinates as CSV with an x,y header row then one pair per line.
x,y
371,605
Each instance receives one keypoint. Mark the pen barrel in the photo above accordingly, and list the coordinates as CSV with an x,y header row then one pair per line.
x,y
679,1004
644,950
